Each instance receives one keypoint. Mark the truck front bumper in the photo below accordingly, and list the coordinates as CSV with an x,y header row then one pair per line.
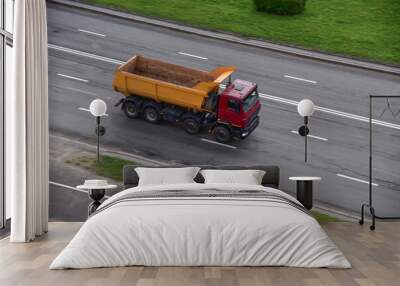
x,y
242,133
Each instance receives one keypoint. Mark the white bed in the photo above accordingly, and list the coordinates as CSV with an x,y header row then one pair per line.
x,y
202,231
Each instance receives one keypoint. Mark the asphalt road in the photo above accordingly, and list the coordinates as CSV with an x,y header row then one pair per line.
x,y
85,49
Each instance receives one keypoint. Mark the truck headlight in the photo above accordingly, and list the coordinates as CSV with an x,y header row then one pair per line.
x,y
244,134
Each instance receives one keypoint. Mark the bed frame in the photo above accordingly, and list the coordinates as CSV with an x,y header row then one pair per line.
x,y
271,177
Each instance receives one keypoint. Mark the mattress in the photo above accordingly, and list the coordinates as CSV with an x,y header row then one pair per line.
x,y
201,225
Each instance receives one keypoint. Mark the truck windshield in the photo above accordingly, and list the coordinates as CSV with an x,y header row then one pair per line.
x,y
250,100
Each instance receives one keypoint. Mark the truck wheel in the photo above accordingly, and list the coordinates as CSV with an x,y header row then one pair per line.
x,y
151,115
191,126
131,109
222,134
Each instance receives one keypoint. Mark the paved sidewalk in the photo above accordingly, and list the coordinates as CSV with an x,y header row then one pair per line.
x,y
234,38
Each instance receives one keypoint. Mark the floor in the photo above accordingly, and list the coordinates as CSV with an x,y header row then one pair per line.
x,y
375,257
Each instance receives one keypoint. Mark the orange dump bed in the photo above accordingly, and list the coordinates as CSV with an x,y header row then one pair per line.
x,y
169,83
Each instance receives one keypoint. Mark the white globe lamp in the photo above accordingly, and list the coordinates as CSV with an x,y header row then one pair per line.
x,y
305,107
98,107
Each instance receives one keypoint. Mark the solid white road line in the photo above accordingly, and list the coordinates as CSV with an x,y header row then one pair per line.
x,y
71,188
72,77
193,56
331,111
311,136
217,143
301,79
356,179
262,95
65,186
92,33
84,54
88,110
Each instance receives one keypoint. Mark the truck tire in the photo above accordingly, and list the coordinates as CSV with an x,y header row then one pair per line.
x,y
191,126
222,134
151,114
131,109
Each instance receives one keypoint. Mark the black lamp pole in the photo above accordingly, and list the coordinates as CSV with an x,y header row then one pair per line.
x,y
303,131
98,137
100,131
305,137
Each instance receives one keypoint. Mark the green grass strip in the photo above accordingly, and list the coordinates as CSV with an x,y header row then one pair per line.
x,y
320,217
111,167
108,166
358,28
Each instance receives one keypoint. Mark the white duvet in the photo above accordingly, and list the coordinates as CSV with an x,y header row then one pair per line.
x,y
193,231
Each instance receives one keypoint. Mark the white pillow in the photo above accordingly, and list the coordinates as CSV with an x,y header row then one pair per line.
x,y
248,177
165,176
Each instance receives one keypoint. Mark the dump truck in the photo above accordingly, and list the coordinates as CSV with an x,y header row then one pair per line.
x,y
197,100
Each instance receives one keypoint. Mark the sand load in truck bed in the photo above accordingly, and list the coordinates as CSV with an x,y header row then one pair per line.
x,y
171,73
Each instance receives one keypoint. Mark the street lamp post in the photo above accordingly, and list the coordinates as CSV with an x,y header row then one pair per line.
x,y
305,108
98,108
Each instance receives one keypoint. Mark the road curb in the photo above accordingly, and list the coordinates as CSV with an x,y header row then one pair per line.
x,y
234,39
338,213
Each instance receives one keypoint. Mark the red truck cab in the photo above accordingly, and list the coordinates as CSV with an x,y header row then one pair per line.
x,y
238,109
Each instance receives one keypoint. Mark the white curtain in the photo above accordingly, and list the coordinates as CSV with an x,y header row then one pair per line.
x,y
27,124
